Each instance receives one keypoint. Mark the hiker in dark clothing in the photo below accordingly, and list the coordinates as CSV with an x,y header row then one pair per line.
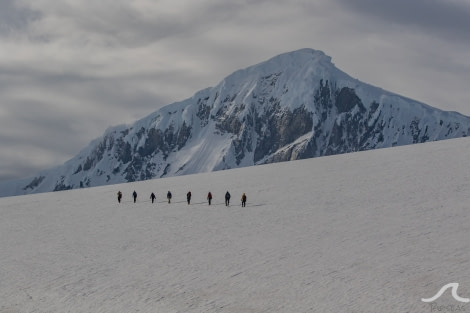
x,y
243,200
152,196
227,198
188,196
209,197
119,194
168,196
134,194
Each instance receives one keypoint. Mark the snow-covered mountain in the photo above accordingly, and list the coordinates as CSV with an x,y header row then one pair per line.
x,y
294,106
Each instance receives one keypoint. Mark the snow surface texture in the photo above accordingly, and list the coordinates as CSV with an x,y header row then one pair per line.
x,y
372,231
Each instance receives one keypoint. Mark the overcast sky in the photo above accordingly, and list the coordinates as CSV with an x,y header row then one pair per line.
x,y
70,69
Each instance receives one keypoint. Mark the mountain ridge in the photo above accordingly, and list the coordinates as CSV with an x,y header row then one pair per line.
x,y
293,106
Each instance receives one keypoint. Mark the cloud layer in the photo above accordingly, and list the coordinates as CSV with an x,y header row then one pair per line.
x,y
70,69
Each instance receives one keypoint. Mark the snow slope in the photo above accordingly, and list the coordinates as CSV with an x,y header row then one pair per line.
x,y
371,231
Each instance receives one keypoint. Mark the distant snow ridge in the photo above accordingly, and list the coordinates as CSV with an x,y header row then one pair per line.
x,y
296,105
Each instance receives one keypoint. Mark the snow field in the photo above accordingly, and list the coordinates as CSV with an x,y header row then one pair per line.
x,y
372,231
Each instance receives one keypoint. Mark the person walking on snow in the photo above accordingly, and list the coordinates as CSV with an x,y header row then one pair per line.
x,y
243,200
227,198
152,197
134,194
209,197
168,196
188,196
119,194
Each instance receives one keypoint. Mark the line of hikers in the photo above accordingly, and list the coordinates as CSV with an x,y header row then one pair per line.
x,y
188,197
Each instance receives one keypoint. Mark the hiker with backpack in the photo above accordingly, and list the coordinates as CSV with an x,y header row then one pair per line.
x,y
152,197
188,197
243,200
227,198
168,196
209,197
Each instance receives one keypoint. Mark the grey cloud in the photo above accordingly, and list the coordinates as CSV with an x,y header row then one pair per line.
x,y
447,19
50,124
117,25
126,24
14,18
13,168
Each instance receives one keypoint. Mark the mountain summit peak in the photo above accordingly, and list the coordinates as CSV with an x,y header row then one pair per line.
x,y
292,61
